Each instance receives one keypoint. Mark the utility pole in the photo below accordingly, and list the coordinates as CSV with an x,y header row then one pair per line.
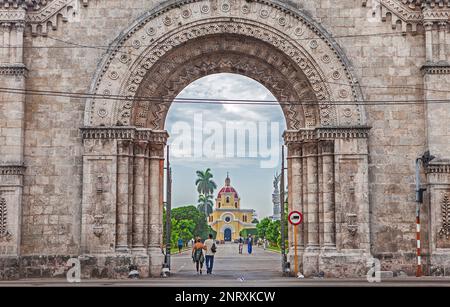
x,y
168,209
282,215
425,159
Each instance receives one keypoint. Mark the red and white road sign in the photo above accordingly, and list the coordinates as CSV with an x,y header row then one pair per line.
x,y
295,217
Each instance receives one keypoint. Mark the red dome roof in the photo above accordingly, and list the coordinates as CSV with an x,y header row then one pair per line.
x,y
227,189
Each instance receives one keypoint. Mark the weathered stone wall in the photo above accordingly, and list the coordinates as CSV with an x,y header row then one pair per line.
x,y
53,148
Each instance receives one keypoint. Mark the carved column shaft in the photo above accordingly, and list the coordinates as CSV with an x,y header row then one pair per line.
x,y
6,28
428,41
139,196
155,191
295,184
329,235
123,196
442,40
18,44
310,153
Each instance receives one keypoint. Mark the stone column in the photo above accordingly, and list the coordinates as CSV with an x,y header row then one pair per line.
x,y
19,29
310,259
310,152
442,41
123,176
6,27
329,234
295,199
139,197
428,41
155,209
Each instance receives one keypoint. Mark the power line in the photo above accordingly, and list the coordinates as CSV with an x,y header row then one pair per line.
x,y
129,46
216,100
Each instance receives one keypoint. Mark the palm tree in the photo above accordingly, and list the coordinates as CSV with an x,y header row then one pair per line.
x,y
205,185
205,204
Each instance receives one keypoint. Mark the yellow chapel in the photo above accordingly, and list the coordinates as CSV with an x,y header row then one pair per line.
x,y
227,218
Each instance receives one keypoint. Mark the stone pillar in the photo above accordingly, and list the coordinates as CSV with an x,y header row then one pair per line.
x,y
139,172
6,27
295,199
428,41
312,218
329,231
123,195
12,126
155,209
442,41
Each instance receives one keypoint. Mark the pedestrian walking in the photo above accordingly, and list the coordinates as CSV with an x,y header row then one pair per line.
x,y
197,255
250,244
211,249
180,245
241,244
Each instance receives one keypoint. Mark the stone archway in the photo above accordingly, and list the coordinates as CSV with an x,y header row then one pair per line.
x,y
181,41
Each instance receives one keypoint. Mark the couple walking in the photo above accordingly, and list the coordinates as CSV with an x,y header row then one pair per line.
x,y
249,244
197,254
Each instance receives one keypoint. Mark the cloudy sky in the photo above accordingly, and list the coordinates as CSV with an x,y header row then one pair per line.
x,y
214,136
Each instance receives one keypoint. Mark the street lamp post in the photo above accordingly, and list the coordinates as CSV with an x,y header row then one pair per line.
x,y
425,159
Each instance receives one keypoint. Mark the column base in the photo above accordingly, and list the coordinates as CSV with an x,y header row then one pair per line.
x,y
343,263
156,261
311,261
291,259
122,249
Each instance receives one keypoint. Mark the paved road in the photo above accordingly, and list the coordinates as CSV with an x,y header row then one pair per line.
x,y
261,269
230,265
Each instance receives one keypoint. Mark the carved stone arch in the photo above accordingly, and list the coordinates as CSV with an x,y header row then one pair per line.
x,y
147,44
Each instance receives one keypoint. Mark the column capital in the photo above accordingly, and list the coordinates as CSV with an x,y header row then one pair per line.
x,y
140,148
428,25
310,148
326,146
20,26
6,26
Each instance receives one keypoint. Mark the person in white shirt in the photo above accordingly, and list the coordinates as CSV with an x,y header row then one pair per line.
x,y
210,247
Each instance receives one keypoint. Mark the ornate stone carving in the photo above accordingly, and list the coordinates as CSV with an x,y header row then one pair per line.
x,y
39,14
293,136
445,216
13,69
12,169
5,235
352,226
278,33
410,13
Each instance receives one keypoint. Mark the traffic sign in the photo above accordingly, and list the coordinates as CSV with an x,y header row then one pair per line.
x,y
295,218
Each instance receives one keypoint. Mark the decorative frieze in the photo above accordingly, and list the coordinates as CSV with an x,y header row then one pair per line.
x,y
438,167
12,169
291,136
436,69
125,133
13,70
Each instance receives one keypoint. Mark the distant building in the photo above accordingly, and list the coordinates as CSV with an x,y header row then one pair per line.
x,y
228,219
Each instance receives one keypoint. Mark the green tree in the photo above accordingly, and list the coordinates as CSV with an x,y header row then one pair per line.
x,y
205,201
190,212
181,229
273,231
205,184
262,227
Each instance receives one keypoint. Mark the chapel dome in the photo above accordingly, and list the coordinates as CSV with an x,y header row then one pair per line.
x,y
227,189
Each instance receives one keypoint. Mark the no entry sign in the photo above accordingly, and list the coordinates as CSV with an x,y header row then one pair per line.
x,y
295,217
